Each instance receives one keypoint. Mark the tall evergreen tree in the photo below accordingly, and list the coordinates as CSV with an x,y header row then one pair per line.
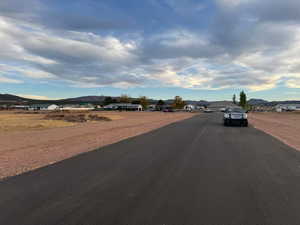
x,y
243,99
108,100
159,105
160,102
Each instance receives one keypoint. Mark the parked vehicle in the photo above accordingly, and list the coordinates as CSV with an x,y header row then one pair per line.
x,y
208,111
235,116
168,109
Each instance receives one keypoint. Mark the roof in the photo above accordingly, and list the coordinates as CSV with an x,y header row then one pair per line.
x,y
40,105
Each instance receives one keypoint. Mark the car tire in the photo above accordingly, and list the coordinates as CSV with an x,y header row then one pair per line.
x,y
225,123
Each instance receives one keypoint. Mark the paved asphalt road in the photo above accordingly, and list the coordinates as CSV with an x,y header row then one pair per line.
x,y
192,172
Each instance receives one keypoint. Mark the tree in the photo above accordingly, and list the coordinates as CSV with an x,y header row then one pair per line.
x,y
125,99
160,102
178,103
234,99
108,100
243,99
159,105
144,102
137,101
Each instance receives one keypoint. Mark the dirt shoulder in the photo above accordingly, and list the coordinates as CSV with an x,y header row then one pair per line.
x,y
284,126
26,150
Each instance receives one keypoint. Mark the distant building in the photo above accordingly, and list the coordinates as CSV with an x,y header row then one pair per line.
x,y
20,107
287,107
78,107
220,105
44,107
53,107
152,107
124,106
262,108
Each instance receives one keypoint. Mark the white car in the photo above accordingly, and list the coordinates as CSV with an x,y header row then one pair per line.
x,y
208,111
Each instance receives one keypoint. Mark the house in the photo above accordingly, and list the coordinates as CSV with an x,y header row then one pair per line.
x,y
39,107
79,107
44,107
124,106
19,107
287,107
53,107
152,107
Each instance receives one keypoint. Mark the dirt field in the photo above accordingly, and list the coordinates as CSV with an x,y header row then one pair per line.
x,y
284,126
11,121
28,141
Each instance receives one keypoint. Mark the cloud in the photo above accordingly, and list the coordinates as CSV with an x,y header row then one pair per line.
x,y
19,9
9,80
240,47
293,83
26,72
50,16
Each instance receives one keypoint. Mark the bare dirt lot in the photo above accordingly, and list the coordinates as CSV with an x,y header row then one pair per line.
x,y
30,141
284,126
14,121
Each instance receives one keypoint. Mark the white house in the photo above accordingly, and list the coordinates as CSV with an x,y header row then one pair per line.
x,y
53,107
44,107
38,106
287,107
74,107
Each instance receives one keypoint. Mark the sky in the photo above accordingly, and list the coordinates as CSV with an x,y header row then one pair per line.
x,y
198,49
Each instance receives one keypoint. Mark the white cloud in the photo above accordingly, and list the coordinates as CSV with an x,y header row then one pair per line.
x,y
27,72
9,80
293,83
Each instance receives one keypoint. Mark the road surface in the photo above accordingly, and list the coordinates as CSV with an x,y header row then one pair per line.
x,y
192,172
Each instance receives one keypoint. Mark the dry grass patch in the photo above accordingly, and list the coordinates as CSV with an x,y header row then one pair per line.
x,y
11,121
22,122
76,117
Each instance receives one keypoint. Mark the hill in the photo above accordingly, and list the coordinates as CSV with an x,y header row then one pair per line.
x,y
12,98
255,102
221,104
89,99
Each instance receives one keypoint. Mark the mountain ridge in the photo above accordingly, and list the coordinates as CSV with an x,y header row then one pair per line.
x,y
14,99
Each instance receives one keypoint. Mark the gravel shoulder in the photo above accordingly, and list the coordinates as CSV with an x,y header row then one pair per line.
x,y
284,126
28,150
